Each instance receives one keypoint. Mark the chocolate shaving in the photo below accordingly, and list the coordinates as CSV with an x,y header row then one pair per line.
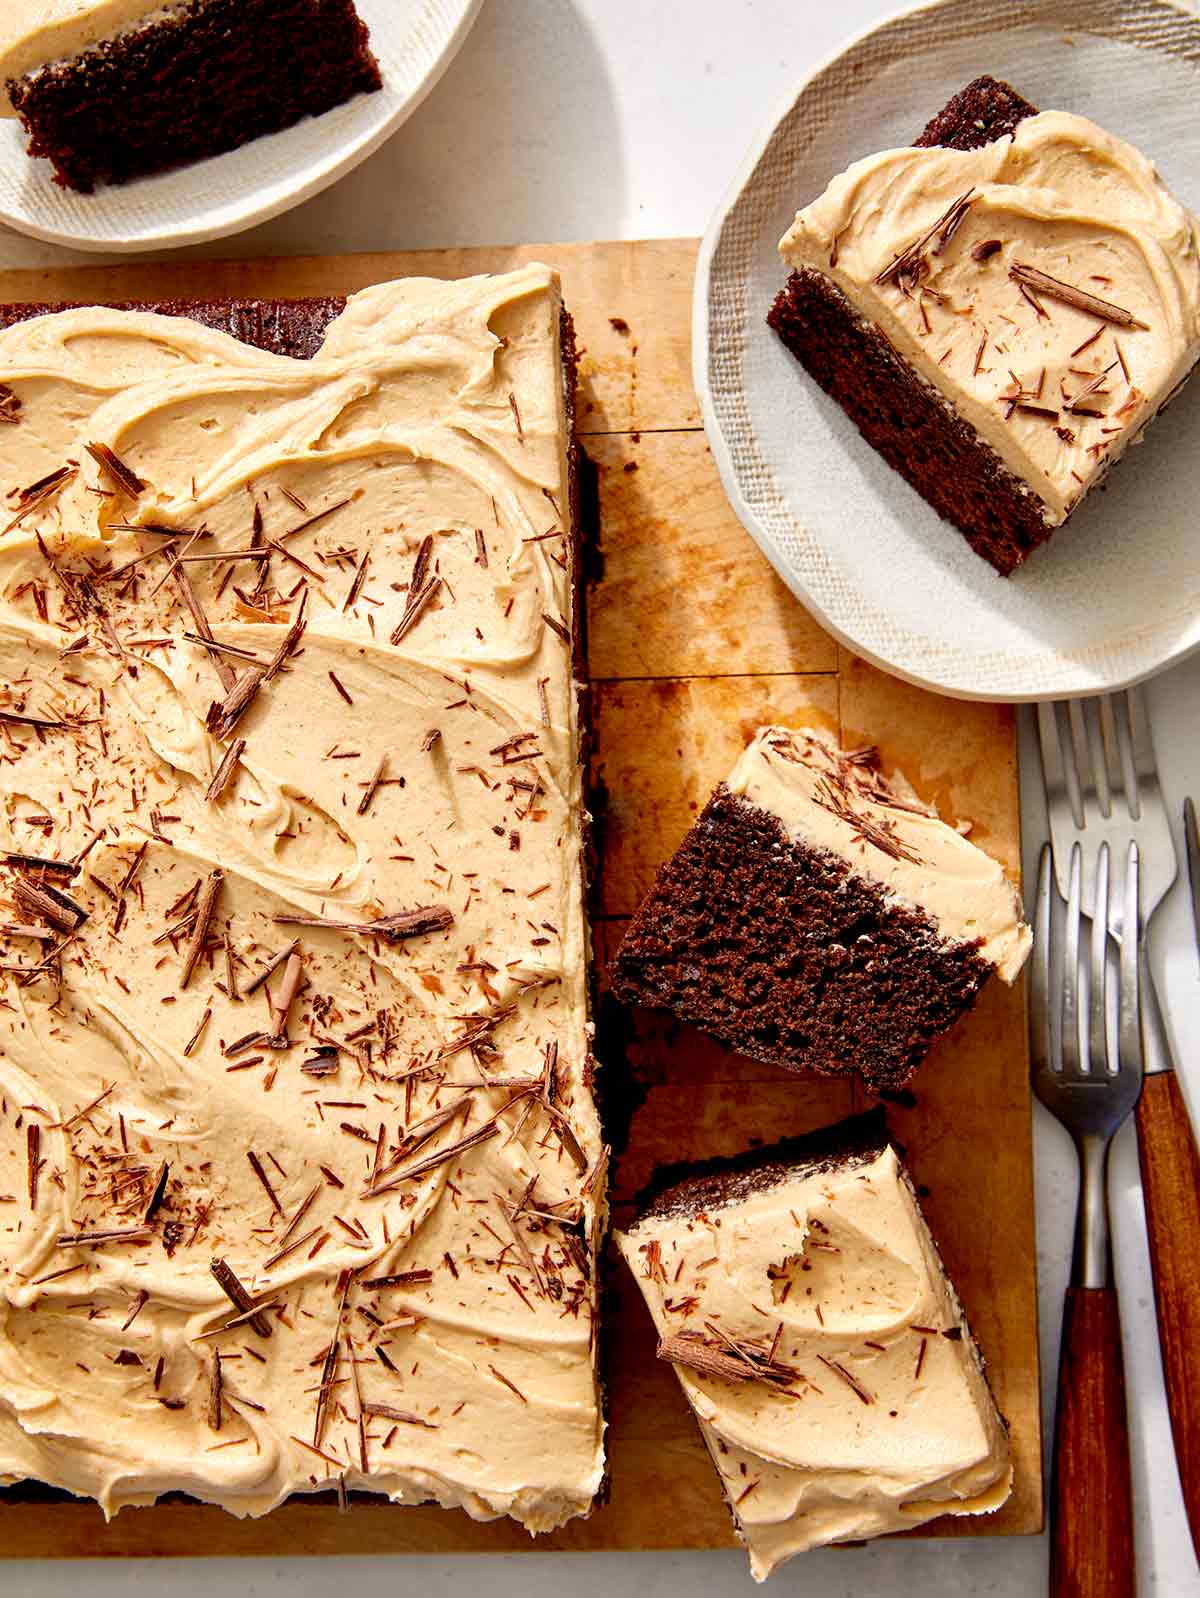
x,y
32,862
223,775
44,722
906,264
360,572
224,714
157,1194
94,1239
184,583
214,1393
127,480
364,804
697,1352
291,639
271,967
423,1167
403,1417
257,1168
50,904
415,1278
33,1154
1054,288
985,249
38,493
416,604
199,937
556,626
851,1382
237,1295
404,924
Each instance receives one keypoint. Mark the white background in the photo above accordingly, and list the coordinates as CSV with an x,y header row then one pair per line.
x,y
593,119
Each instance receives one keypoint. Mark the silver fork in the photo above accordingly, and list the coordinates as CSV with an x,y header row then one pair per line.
x,y
1102,787
1091,1093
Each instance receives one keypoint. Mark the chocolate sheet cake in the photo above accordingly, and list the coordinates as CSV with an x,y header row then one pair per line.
x,y
799,1295
818,918
110,90
295,1091
1000,308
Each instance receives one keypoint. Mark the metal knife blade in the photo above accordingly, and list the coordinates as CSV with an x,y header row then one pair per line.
x,y
1191,829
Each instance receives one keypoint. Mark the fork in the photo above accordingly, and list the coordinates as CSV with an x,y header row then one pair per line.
x,y
1102,786
1091,1521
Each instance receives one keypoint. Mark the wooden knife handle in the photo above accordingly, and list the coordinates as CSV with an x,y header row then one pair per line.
x,y
1091,1514
1171,1189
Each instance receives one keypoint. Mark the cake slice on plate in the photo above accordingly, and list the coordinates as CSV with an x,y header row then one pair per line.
x,y
1000,308
110,90
800,1297
819,918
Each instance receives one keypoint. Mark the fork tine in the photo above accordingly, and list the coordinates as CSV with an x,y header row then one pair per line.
x,y
1054,763
1098,1062
1041,1034
1129,1036
1070,980
1085,765
1111,752
1144,767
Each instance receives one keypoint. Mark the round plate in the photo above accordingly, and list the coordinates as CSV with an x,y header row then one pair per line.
x,y
414,42
1115,595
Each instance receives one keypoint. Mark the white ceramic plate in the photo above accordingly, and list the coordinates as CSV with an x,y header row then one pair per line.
x,y
1115,596
414,41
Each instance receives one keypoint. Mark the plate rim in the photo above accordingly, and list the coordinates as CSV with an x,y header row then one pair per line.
x,y
337,164
715,436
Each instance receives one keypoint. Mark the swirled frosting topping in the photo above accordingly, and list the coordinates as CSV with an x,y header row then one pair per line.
x,y
300,1171
840,803
1046,284
824,1353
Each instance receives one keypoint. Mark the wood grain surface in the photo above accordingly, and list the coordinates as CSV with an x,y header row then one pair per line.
x,y
1170,1168
693,642
1091,1516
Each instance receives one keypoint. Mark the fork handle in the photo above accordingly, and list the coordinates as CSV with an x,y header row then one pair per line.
x,y
1171,1189
1091,1520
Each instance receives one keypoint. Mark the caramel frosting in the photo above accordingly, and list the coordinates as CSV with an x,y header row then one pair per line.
x,y
35,33
1047,285
301,1179
824,1353
839,803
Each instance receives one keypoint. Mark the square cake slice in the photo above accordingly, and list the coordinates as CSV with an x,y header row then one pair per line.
x,y
1000,308
295,1103
801,1299
819,918
110,90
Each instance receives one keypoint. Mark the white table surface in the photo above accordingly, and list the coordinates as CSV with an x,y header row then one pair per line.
x,y
596,119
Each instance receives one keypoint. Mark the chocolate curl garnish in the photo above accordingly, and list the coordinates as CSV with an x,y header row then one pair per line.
x,y
393,929
1055,289
199,937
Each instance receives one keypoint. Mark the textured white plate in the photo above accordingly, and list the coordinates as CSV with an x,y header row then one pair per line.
x,y
1115,596
414,41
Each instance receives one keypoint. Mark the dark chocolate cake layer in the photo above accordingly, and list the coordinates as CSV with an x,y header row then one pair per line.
x,y
694,1186
200,79
986,109
915,429
281,327
787,955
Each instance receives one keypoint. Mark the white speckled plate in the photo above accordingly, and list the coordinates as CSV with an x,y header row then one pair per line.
x,y
1115,596
414,41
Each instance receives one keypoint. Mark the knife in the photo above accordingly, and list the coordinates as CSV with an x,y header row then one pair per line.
x,y
1191,833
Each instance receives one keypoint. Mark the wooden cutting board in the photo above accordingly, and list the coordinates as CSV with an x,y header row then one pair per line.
x,y
692,643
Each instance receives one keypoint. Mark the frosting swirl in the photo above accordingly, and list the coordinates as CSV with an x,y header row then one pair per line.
x,y
389,1142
